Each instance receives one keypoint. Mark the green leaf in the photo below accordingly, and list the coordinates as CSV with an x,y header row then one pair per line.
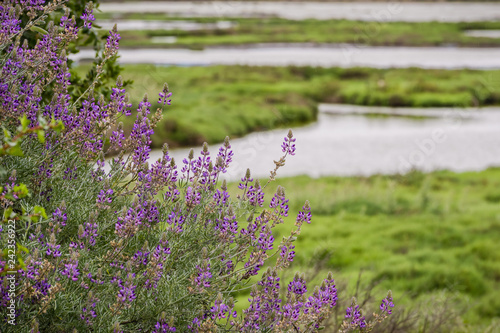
x,y
21,190
41,136
21,262
15,151
58,126
8,213
6,133
24,122
40,211
22,248
39,30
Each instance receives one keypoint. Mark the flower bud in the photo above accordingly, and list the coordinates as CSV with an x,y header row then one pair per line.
x,y
204,253
80,231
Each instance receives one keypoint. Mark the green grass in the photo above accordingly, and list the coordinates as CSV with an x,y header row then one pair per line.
x,y
425,236
212,102
276,30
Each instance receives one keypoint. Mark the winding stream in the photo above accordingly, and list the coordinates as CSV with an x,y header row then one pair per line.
x,y
345,144
309,55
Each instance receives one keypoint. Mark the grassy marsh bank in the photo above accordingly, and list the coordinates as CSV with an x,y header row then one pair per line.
x,y
431,238
276,30
212,102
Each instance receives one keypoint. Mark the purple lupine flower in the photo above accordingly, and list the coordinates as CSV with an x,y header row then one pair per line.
x,y
287,252
126,294
220,310
266,238
221,198
292,311
140,258
156,263
354,314
254,263
297,286
288,145
280,201
71,270
88,312
163,327
224,157
265,302
88,16
9,25
328,291
204,275
228,227
59,217
195,324
89,232
52,247
245,180
70,173
255,194
164,95
305,215
326,295
193,197
203,167
69,25
112,45
117,137
176,221
105,196
141,135
387,304
118,99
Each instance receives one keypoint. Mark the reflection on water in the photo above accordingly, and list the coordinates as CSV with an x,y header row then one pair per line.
x,y
342,144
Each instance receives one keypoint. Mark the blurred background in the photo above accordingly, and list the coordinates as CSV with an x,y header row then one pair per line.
x,y
395,108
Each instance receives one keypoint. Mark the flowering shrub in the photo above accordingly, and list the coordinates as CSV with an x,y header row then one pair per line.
x,y
129,245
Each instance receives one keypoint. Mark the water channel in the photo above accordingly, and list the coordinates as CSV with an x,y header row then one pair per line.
x,y
346,142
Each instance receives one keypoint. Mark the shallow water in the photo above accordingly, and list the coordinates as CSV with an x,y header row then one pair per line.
x,y
343,144
369,11
483,33
307,55
124,25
